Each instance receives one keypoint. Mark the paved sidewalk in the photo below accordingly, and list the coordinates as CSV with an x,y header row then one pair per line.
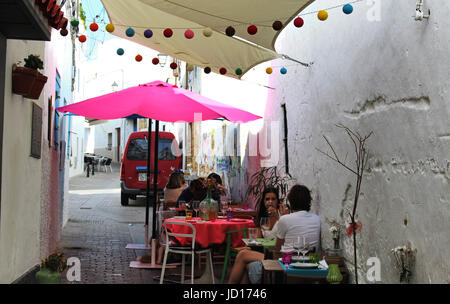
x,y
99,228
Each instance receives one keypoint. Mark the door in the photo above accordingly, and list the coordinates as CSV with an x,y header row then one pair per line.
x,y
118,144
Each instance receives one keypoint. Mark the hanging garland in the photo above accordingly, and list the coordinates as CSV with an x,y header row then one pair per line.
x,y
230,31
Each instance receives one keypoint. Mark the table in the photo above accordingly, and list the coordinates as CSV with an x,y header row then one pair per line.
x,y
210,233
292,275
262,244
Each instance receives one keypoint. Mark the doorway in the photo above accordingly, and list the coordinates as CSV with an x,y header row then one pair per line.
x,y
118,144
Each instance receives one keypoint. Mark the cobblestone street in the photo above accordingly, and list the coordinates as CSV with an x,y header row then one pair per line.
x,y
99,228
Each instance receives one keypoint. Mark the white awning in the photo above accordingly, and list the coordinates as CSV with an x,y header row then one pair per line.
x,y
217,51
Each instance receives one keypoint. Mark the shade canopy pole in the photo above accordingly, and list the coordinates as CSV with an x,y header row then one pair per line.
x,y
147,200
155,178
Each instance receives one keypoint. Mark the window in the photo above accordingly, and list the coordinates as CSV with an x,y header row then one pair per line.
x,y
137,149
109,141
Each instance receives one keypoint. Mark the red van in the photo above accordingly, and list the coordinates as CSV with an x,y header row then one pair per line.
x,y
133,171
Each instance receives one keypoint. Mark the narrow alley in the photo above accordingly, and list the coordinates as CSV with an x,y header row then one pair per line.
x,y
99,229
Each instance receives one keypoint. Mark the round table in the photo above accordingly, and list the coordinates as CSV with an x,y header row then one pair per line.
x,y
211,232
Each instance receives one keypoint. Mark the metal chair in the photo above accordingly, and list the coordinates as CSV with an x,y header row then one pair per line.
x,y
184,250
230,251
107,163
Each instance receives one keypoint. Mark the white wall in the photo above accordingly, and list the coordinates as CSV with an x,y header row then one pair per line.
x,y
21,175
389,77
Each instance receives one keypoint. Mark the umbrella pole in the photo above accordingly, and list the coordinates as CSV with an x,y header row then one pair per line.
x,y
147,201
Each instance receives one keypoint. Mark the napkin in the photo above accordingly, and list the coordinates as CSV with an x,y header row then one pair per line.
x,y
323,264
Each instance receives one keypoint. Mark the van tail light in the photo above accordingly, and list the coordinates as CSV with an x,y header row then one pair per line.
x,y
122,172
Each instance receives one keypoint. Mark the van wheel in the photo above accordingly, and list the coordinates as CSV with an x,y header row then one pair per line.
x,y
124,199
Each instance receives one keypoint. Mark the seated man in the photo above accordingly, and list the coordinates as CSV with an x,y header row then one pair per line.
x,y
299,223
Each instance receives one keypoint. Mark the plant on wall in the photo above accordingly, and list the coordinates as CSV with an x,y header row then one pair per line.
x,y
361,157
268,177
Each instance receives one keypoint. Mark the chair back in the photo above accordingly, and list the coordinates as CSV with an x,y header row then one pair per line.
x,y
108,161
174,234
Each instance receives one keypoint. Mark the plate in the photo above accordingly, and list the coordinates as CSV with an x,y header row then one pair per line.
x,y
304,265
179,217
238,220
300,258
221,217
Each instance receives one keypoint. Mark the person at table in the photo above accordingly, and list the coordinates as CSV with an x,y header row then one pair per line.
x,y
289,227
195,191
174,188
268,207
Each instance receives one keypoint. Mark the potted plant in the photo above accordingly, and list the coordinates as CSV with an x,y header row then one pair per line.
x,y
27,81
51,269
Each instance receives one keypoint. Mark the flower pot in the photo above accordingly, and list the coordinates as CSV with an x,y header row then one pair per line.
x,y
47,276
37,87
23,79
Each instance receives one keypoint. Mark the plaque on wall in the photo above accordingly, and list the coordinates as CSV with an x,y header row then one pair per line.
x,y
36,131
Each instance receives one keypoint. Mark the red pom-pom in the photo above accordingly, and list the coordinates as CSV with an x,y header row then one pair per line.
x,y
155,61
168,33
298,22
82,38
223,71
252,29
189,34
93,27
173,65
138,58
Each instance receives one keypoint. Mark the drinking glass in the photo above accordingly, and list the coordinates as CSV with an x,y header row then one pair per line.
x,y
297,245
253,233
265,225
196,206
224,207
304,247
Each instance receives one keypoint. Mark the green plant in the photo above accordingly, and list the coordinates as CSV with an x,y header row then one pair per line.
x,y
268,177
55,262
34,62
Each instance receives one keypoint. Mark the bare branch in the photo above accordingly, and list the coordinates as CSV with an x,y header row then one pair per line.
x,y
342,164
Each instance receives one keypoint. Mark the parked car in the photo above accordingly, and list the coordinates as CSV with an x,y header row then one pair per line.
x,y
133,170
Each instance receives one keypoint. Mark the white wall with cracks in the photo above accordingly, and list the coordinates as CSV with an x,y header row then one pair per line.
x,y
391,77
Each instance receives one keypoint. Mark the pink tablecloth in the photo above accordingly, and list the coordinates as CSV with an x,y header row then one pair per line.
x,y
210,233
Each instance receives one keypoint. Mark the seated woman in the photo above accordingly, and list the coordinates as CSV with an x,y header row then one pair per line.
x,y
220,192
174,187
268,207
289,227
195,191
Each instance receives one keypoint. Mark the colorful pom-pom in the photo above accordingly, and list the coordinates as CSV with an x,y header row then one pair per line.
x,y
148,33
129,32
173,65
168,33
64,32
155,61
230,31
322,15
190,67
120,51
298,22
207,32
189,34
283,71
82,38
238,71
93,27
347,9
110,28
223,71
138,58
207,70
269,70
252,29
74,22
277,25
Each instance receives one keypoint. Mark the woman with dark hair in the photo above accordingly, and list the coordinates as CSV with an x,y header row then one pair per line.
x,y
174,187
195,191
268,207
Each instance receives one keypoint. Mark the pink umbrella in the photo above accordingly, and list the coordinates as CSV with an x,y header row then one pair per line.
x,y
160,101
157,100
